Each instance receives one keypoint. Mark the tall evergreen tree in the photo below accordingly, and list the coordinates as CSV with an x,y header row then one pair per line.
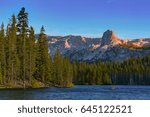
x,y
1,77
12,57
67,73
31,51
43,58
58,69
22,26
2,53
63,71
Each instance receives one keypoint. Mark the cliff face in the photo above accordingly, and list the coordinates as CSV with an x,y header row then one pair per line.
x,y
110,38
107,48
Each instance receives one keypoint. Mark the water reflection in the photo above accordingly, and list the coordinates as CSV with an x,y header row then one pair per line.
x,y
79,93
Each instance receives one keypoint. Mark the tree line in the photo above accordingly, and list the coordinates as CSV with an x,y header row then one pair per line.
x,y
26,62
135,71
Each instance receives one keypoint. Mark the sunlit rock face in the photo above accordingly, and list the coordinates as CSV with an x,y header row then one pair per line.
x,y
139,42
110,38
67,45
107,48
95,46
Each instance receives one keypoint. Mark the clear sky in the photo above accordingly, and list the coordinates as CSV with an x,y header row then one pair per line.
x,y
127,18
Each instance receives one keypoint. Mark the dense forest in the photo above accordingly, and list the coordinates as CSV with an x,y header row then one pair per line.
x,y
130,72
25,62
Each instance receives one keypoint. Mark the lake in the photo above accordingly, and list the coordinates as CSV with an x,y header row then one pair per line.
x,y
79,93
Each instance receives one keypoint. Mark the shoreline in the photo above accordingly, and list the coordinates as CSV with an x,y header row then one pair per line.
x,y
44,87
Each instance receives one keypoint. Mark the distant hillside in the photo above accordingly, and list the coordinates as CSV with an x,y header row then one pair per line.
x,y
107,48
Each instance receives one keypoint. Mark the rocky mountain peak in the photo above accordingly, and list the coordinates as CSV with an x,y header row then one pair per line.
x,y
109,37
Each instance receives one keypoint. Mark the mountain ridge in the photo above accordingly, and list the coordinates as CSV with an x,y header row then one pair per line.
x,y
107,48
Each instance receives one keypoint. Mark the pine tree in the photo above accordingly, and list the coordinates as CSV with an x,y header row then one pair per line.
x,y
1,77
67,73
7,48
31,52
43,58
2,53
58,69
12,57
22,26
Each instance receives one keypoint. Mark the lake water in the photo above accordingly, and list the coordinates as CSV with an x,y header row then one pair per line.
x,y
79,93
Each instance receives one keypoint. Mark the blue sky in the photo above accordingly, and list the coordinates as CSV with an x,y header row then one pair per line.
x,y
128,18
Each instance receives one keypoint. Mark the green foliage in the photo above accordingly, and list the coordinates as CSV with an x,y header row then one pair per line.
x,y
43,58
22,22
1,77
35,84
31,50
129,72
107,80
22,26
2,52
11,51
63,72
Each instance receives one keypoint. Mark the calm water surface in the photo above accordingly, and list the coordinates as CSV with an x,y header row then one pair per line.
x,y
79,93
